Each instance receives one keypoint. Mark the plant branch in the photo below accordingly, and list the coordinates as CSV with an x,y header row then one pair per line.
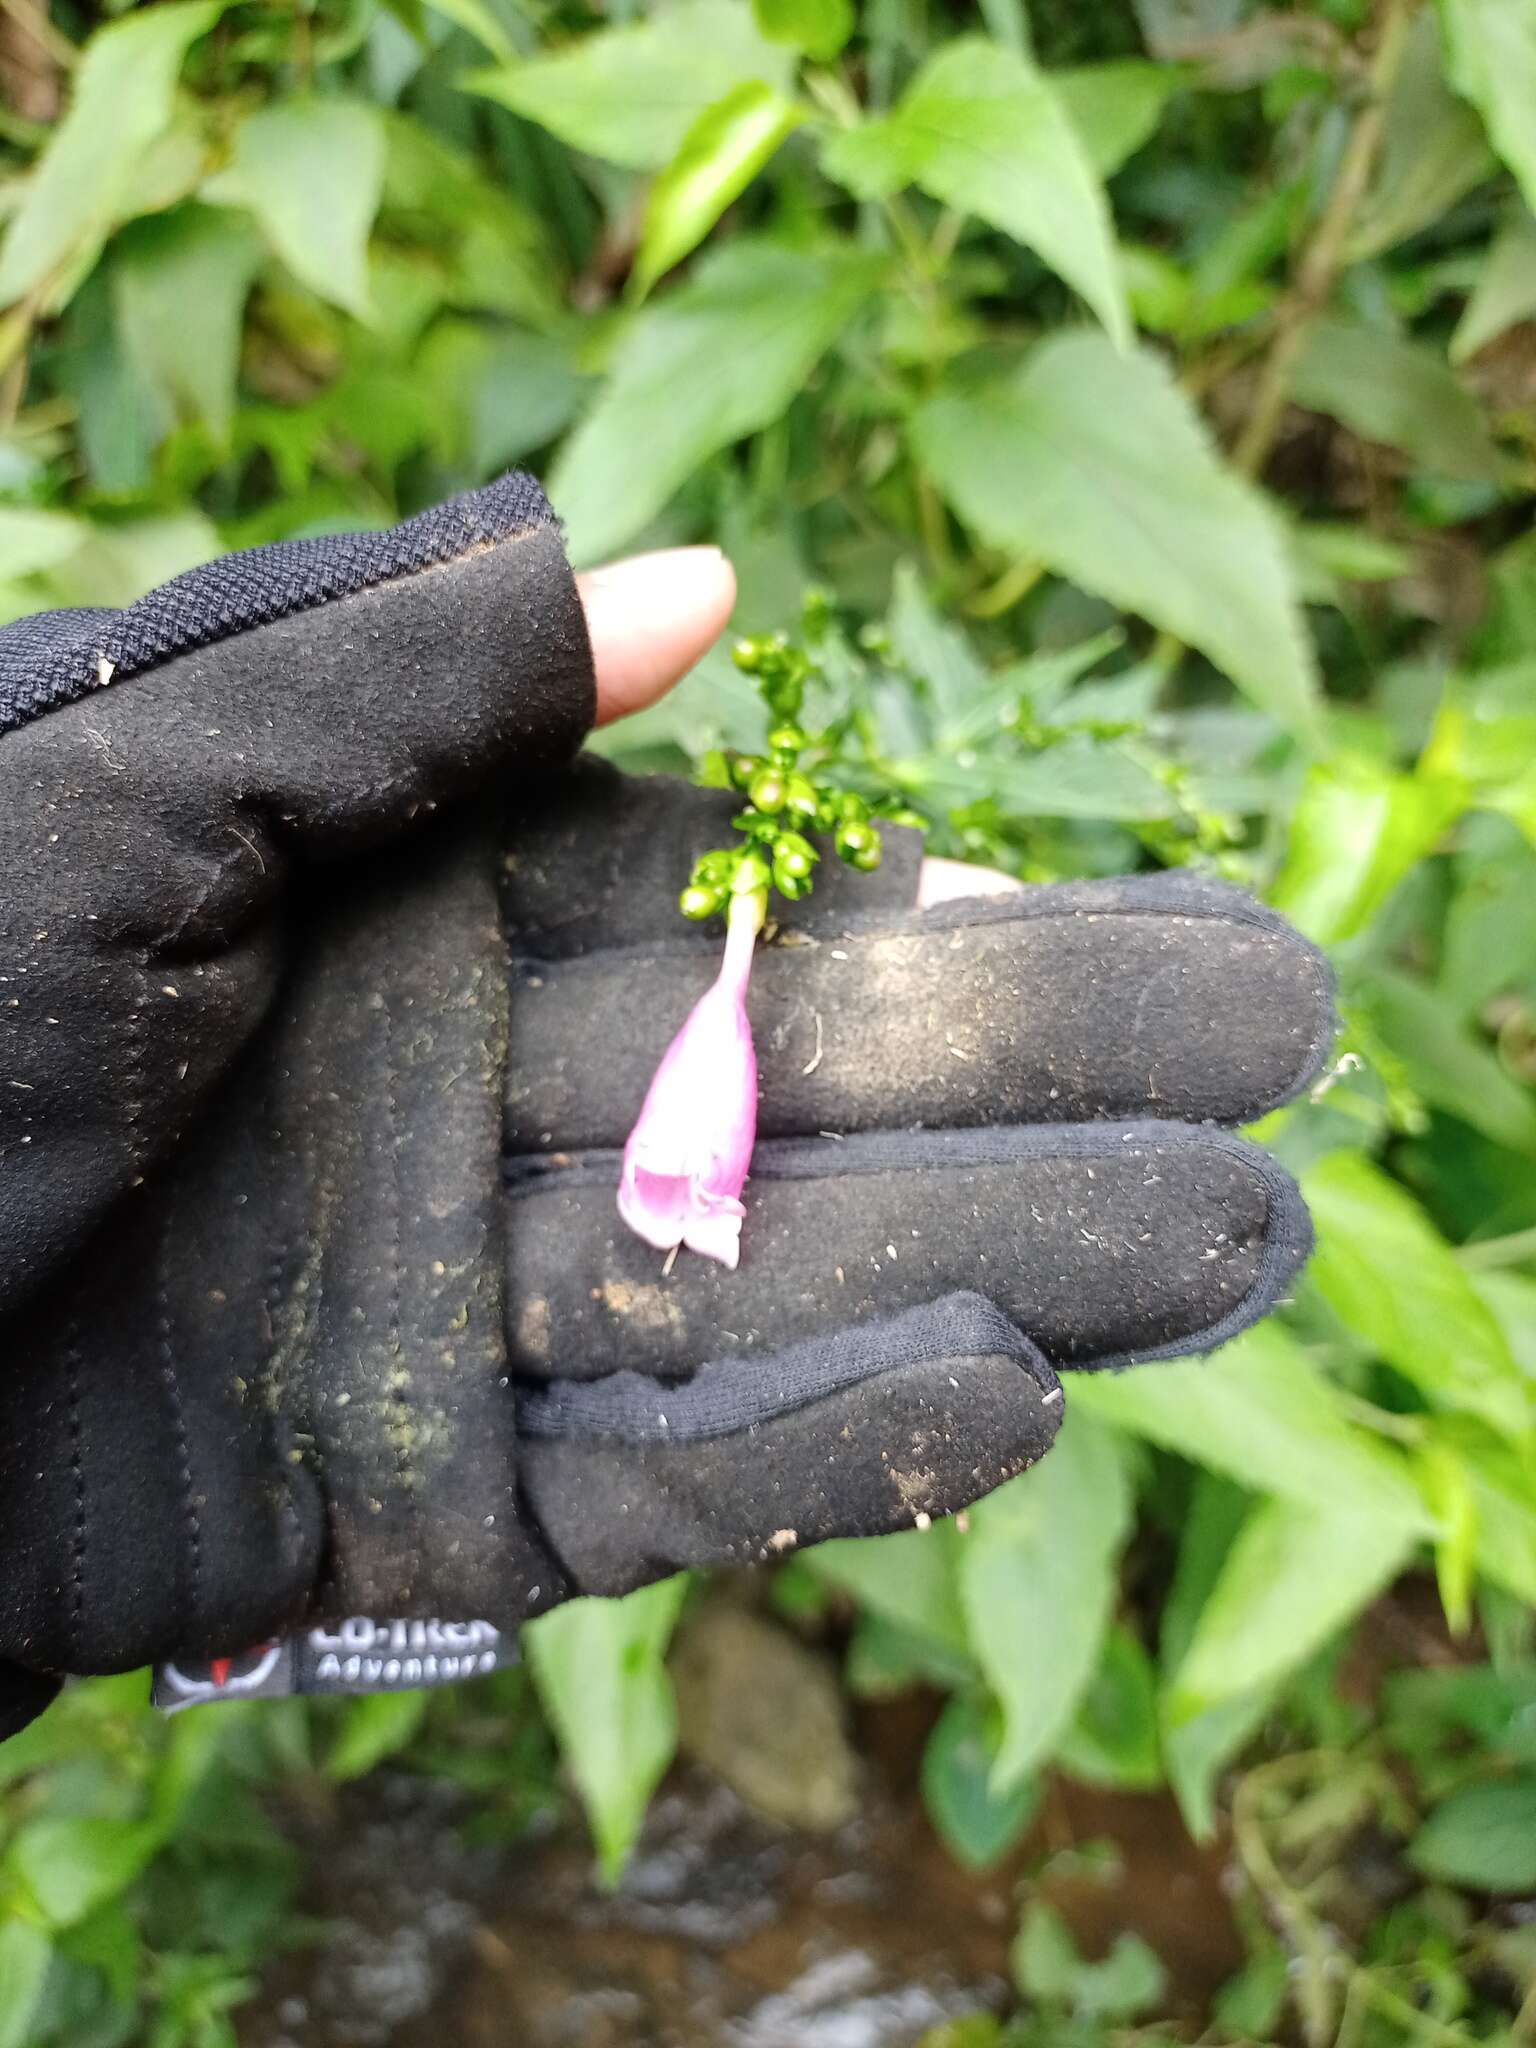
x,y
1323,257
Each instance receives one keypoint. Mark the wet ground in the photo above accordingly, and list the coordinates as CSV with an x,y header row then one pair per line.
x,y
729,1931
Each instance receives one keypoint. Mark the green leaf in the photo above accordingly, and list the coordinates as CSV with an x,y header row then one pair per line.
x,y
376,1726
818,27
982,130
910,1578
179,286
1356,831
1047,1968
976,1825
631,94
1115,108
1260,1411
1394,391
1096,464
1448,1062
720,156
1198,1748
599,1669
1037,1580
1433,151
479,20
124,93
312,172
1490,48
1386,1272
716,360
71,1865
30,541
1113,1739
25,1956
1504,290
1294,1576
1483,1837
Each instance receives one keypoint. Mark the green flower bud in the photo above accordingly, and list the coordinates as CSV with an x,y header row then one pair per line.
x,y
868,858
793,855
789,883
743,768
788,739
752,874
766,790
855,838
748,655
699,902
800,796
853,808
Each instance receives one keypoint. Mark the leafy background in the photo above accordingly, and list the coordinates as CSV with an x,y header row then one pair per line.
x,y
1151,385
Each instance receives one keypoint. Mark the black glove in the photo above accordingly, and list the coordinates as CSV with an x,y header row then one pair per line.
x,y
314,1300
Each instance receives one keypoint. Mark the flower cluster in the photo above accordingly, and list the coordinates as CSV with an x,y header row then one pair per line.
x,y
687,1157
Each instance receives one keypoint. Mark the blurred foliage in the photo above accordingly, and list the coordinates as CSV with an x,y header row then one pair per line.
x,y
1150,386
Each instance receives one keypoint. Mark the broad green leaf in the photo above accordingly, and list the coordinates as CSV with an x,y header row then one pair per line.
x,y
1037,1580
631,94
911,1578
1048,1969
976,1824
25,1956
720,156
1096,464
1505,288
1490,48
1483,1837
1113,1738
1448,1062
493,253
70,1865
122,560
1503,1482
819,27
712,362
312,172
982,130
480,21
1433,150
179,287
376,1726
1295,1575
122,100
1395,391
1386,1272
1260,1411
935,650
1115,108
600,1671
1355,832
32,540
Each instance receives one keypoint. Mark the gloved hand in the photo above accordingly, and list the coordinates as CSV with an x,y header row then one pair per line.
x,y
326,996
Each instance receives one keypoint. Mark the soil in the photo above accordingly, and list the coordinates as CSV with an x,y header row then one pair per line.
x,y
729,1931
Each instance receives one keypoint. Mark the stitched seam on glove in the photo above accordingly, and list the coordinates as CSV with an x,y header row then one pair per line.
x,y
53,659
731,1394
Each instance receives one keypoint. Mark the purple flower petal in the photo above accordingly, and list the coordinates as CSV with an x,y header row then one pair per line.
x,y
688,1154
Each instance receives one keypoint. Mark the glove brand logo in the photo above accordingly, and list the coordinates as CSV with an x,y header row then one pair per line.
x,y
220,1677
358,1655
365,1655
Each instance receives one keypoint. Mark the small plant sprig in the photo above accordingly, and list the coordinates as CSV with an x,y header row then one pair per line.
x,y
687,1158
787,795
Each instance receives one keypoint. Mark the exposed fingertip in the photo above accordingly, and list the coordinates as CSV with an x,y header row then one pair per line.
x,y
650,619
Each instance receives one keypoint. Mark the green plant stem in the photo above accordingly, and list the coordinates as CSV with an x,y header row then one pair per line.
x,y
1323,257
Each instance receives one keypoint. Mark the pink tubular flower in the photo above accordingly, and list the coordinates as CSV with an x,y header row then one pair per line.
x,y
689,1151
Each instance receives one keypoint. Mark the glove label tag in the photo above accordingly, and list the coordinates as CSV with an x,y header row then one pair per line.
x,y
358,1655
